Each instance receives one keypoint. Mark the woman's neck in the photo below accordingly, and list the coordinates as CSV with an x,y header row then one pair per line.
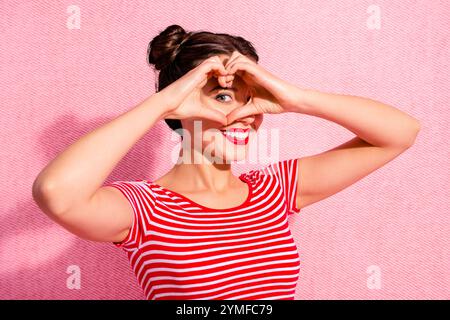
x,y
214,177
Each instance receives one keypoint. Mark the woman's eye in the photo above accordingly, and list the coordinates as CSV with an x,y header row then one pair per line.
x,y
224,95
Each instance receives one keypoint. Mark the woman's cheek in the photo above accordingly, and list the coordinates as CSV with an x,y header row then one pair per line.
x,y
213,135
212,142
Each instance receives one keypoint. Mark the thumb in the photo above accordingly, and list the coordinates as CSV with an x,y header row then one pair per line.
x,y
214,115
242,112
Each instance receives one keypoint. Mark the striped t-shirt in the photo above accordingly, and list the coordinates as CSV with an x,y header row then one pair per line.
x,y
179,249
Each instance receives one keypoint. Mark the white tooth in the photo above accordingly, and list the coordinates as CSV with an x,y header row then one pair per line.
x,y
238,135
241,135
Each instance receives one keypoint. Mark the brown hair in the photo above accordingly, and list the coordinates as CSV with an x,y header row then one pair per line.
x,y
174,52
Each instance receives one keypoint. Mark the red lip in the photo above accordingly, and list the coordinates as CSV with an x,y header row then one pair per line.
x,y
236,140
236,130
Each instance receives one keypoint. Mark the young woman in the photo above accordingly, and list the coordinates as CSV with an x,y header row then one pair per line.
x,y
199,232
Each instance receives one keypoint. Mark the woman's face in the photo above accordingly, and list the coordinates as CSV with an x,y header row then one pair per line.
x,y
224,144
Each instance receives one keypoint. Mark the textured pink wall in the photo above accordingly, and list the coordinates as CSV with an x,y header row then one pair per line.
x,y
59,82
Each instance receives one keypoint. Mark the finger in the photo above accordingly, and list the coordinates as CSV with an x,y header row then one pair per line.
x,y
241,112
201,75
238,68
214,115
221,77
214,66
223,81
214,69
218,68
229,80
235,55
231,76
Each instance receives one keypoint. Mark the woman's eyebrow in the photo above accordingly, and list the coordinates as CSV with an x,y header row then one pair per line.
x,y
220,87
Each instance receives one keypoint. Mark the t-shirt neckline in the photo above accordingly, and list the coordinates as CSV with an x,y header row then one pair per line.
x,y
241,177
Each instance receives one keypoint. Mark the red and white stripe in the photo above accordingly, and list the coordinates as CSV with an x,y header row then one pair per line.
x,y
179,249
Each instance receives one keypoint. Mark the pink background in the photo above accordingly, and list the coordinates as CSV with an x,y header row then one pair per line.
x,y
58,83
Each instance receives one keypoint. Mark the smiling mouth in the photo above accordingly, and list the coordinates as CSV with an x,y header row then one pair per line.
x,y
237,136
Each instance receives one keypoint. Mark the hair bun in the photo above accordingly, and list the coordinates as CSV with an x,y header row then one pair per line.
x,y
163,48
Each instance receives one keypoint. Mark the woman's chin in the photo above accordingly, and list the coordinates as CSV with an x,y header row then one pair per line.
x,y
230,157
225,152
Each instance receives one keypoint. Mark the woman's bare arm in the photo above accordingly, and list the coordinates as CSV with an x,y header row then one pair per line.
x,y
69,189
382,134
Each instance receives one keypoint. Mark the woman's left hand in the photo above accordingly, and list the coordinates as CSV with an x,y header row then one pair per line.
x,y
269,93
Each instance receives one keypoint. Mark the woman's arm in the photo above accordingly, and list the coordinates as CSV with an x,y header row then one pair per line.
x,y
376,123
69,189
382,133
64,189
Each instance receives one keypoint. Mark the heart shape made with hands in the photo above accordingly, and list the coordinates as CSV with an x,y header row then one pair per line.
x,y
228,79
261,101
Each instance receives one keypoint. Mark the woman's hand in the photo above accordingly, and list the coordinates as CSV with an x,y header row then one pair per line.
x,y
183,95
269,93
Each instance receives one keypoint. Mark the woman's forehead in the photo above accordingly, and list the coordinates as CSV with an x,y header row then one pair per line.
x,y
224,58
238,84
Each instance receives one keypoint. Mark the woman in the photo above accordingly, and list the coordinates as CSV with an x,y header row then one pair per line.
x,y
199,232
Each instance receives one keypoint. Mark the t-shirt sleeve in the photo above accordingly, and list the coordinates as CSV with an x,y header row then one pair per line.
x,y
136,195
286,172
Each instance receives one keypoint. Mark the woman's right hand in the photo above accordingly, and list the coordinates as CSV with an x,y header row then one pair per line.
x,y
183,95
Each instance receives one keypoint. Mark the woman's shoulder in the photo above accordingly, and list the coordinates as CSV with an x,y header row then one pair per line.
x,y
133,187
278,168
252,174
